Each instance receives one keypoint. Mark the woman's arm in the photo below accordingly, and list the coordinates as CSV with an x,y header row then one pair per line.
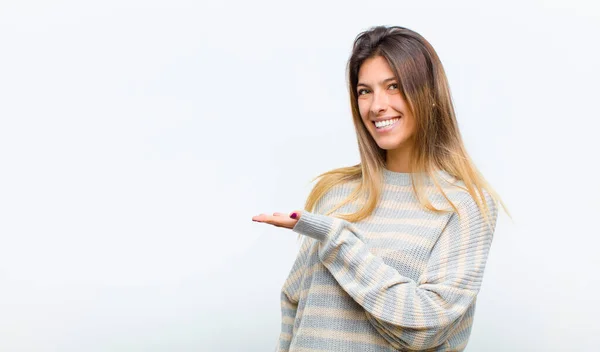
x,y
409,314
290,296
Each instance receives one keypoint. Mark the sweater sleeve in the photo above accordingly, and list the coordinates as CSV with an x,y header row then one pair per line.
x,y
290,296
409,314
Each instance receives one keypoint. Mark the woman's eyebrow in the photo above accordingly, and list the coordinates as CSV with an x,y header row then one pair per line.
x,y
382,82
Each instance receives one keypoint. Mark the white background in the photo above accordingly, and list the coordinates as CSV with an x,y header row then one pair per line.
x,y
138,139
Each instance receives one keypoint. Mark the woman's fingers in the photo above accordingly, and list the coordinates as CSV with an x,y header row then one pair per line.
x,y
261,218
277,219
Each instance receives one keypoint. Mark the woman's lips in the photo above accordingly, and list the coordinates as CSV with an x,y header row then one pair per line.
x,y
388,127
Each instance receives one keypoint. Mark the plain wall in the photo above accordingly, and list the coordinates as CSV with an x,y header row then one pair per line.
x,y
138,139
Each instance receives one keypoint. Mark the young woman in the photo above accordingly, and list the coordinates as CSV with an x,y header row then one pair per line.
x,y
394,247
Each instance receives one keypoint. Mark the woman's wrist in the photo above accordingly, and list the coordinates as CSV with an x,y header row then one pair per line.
x,y
316,226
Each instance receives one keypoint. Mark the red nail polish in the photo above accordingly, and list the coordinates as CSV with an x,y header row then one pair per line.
x,y
294,215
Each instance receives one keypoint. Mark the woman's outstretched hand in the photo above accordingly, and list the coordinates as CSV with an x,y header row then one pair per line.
x,y
279,219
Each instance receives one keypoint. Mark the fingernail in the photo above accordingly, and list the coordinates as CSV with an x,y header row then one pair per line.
x,y
294,215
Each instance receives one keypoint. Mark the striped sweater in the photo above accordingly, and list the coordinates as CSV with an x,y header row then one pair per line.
x,y
403,279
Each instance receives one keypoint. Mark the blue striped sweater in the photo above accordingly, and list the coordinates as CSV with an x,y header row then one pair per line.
x,y
403,279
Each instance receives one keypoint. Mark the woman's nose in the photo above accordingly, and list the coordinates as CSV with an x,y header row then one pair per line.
x,y
380,103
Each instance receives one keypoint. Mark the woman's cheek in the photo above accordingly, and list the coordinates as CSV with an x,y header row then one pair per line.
x,y
364,111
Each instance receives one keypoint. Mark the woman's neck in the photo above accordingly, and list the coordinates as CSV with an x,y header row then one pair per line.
x,y
398,160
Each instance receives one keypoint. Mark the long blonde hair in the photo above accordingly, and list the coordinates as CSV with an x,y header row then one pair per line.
x,y
437,141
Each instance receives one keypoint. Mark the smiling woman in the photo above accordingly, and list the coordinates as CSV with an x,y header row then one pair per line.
x,y
383,109
394,247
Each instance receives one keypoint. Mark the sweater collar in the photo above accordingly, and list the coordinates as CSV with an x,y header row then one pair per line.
x,y
404,178
396,178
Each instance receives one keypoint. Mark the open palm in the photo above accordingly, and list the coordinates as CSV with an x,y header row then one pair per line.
x,y
279,219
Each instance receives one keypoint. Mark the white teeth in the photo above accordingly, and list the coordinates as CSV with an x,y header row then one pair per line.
x,y
384,123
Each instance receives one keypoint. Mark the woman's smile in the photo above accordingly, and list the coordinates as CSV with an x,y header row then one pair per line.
x,y
383,126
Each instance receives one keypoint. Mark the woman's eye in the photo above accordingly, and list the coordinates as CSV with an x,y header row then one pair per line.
x,y
362,91
394,86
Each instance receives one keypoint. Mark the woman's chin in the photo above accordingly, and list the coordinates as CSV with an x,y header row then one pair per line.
x,y
391,144
385,145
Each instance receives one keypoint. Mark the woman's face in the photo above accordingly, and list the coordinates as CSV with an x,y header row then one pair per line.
x,y
382,109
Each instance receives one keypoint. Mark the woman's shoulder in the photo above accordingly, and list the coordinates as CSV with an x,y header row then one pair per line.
x,y
457,192
335,194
